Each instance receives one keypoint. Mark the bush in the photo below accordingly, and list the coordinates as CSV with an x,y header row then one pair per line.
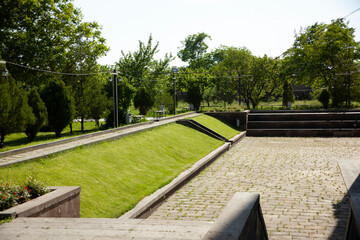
x,y
324,98
12,195
143,101
59,105
40,113
288,94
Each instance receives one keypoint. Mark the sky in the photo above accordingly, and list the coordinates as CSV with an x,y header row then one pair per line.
x,y
262,26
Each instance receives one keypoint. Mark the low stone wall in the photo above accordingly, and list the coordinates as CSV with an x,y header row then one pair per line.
x,y
236,119
60,202
241,219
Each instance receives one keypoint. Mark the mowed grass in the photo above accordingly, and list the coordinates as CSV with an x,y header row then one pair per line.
x,y
115,176
19,140
217,126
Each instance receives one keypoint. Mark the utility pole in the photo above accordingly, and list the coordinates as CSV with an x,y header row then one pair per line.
x,y
174,70
348,101
116,102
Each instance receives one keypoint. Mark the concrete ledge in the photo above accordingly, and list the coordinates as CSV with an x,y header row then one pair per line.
x,y
149,204
237,138
60,202
241,219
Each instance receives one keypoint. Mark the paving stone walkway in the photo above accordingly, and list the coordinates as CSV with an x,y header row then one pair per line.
x,y
303,194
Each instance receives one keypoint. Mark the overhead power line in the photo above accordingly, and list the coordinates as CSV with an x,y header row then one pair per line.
x,y
352,13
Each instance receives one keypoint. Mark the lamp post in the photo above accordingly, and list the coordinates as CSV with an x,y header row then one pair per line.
x,y
174,70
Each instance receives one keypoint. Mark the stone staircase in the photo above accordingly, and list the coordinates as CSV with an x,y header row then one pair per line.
x,y
304,124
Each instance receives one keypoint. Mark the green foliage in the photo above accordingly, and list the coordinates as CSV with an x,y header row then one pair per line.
x,y
324,98
40,113
288,93
320,52
47,34
166,100
15,112
59,105
209,94
35,188
193,49
194,96
12,195
143,100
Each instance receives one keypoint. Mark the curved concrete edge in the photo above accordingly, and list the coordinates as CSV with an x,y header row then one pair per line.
x,y
62,201
150,203
241,219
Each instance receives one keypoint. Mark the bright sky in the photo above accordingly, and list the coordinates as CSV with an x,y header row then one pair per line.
x,y
262,26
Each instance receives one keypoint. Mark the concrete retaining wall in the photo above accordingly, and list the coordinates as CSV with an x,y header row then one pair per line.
x,y
60,202
232,118
241,219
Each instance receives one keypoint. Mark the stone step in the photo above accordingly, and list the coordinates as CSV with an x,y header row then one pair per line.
x,y
304,124
291,116
80,228
301,132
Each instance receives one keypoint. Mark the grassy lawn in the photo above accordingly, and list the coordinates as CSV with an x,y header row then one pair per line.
x,y
19,140
217,126
115,176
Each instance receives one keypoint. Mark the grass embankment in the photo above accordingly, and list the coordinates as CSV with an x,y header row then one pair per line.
x,y
217,126
115,176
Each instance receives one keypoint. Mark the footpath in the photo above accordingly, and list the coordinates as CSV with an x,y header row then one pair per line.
x,y
47,149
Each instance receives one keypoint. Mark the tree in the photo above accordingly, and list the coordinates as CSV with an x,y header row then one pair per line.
x,y
59,104
141,69
324,98
15,112
143,101
288,94
40,113
322,51
44,34
193,49
96,100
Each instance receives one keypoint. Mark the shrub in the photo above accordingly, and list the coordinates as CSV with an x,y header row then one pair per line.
x,y
288,94
12,195
143,101
40,113
324,98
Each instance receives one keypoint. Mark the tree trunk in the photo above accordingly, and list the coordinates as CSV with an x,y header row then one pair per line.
x,y
2,139
70,125
82,123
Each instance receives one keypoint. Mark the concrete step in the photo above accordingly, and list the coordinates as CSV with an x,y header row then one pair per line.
x,y
304,124
301,132
291,116
79,228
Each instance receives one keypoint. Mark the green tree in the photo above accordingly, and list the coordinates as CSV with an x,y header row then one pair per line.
x,y
40,113
322,51
288,94
59,104
193,50
141,69
324,98
143,100
45,34
15,112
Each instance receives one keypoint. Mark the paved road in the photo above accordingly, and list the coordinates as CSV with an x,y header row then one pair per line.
x,y
120,132
303,194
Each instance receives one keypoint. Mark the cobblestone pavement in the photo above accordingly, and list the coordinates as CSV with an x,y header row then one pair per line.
x,y
302,191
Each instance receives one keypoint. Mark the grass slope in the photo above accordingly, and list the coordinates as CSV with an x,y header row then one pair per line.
x,y
217,126
115,176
